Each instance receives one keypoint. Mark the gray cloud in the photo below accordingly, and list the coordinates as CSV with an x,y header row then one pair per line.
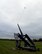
x,y
28,13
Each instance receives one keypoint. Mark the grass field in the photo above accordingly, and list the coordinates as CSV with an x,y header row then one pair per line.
x,y
8,47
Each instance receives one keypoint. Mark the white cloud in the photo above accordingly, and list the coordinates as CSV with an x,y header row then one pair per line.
x,y
27,13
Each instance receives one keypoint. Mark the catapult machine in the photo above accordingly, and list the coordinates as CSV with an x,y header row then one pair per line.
x,y
28,43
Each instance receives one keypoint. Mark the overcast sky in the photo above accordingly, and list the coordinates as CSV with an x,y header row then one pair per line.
x,y
27,13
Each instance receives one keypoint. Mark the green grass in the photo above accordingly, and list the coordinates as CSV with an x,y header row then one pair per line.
x,y
6,47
